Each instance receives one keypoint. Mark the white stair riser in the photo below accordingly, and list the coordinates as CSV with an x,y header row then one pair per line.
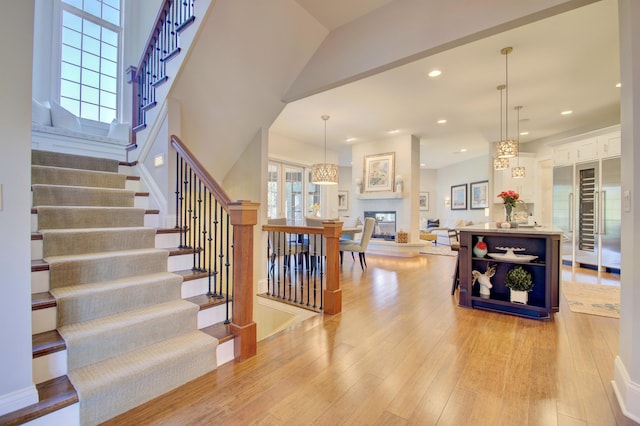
x,y
127,170
39,282
213,315
193,288
68,416
180,262
49,366
43,320
151,220
162,241
132,185
141,202
224,352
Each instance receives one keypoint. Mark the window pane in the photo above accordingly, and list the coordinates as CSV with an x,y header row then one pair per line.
x,y
92,7
108,99
69,89
71,55
91,45
90,111
113,3
109,68
109,52
91,29
91,62
111,15
71,105
71,21
90,78
107,115
110,37
108,83
89,94
70,72
71,38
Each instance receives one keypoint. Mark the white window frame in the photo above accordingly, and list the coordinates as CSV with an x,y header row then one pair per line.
x,y
306,188
56,53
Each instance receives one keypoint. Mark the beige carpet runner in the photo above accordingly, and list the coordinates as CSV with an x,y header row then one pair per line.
x,y
129,335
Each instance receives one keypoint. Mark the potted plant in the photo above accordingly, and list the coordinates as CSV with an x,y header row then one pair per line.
x,y
520,282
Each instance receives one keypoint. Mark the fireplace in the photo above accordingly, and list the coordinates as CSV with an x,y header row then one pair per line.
x,y
385,224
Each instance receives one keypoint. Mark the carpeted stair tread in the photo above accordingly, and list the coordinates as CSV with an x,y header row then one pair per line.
x,y
58,159
67,217
90,301
96,340
107,266
60,242
64,195
64,176
116,385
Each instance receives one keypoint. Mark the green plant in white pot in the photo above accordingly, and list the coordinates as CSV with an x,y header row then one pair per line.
x,y
520,282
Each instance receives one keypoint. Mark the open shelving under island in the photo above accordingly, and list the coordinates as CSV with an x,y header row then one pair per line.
x,y
537,250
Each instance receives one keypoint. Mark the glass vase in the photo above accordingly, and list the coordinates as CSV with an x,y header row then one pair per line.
x,y
508,210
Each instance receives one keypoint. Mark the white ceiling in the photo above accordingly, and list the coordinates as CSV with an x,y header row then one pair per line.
x,y
566,62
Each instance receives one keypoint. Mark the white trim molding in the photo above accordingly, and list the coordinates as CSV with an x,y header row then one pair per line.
x,y
627,392
18,399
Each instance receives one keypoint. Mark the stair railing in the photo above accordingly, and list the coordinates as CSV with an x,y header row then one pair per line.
x,y
163,44
220,233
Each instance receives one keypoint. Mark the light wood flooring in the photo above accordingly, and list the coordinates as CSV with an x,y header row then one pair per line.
x,y
403,352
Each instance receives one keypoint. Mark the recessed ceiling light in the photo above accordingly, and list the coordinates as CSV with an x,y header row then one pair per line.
x,y
393,132
434,73
619,85
524,133
463,150
350,139
568,112
442,121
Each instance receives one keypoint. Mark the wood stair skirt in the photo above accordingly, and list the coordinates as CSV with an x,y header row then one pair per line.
x,y
123,328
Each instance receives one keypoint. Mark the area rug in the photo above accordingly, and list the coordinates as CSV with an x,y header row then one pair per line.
x,y
594,299
439,250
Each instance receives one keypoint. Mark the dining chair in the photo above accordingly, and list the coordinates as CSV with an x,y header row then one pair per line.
x,y
359,247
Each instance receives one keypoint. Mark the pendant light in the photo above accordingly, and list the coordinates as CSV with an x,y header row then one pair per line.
x,y
507,148
500,163
518,172
324,173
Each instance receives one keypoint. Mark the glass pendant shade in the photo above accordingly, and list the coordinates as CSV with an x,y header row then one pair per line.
x,y
507,148
500,163
517,172
324,174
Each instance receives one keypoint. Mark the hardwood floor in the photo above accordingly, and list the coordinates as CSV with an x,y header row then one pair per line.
x,y
403,352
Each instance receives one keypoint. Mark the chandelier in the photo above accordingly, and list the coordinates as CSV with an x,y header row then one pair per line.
x,y
324,173
498,162
507,148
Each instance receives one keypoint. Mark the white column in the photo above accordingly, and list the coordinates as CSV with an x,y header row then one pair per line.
x,y
16,39
626,381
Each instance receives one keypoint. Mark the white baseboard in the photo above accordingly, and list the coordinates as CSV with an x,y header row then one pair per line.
x,y
18,399
627,392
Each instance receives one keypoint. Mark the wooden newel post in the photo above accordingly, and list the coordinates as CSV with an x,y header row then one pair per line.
x,y
333,292
244,216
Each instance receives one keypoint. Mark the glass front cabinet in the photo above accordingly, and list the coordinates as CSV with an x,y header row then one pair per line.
x,y
537,252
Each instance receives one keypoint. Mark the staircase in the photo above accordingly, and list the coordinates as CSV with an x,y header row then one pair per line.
x,y
110,319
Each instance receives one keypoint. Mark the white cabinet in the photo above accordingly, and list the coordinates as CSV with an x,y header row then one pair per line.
x,y
564,154
586,150
524,186
609,145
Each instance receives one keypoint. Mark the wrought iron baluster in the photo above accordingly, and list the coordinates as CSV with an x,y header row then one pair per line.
x,y
221,252
228,273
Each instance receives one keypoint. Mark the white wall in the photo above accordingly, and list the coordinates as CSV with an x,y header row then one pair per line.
x,y
16,39
429,184
473,170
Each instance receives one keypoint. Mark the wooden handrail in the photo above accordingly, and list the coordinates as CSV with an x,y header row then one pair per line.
x,y
201,172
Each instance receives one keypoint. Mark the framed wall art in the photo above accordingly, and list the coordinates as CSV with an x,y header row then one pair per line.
x,y
343,200
379,172
424,201
479,194
459,197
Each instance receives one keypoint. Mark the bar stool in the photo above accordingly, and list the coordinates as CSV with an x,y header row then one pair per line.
x,y
455,246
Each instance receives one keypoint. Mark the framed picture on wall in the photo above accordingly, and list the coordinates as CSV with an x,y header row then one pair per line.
x,y
343,200
459,197
424,201
379,172
479,192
